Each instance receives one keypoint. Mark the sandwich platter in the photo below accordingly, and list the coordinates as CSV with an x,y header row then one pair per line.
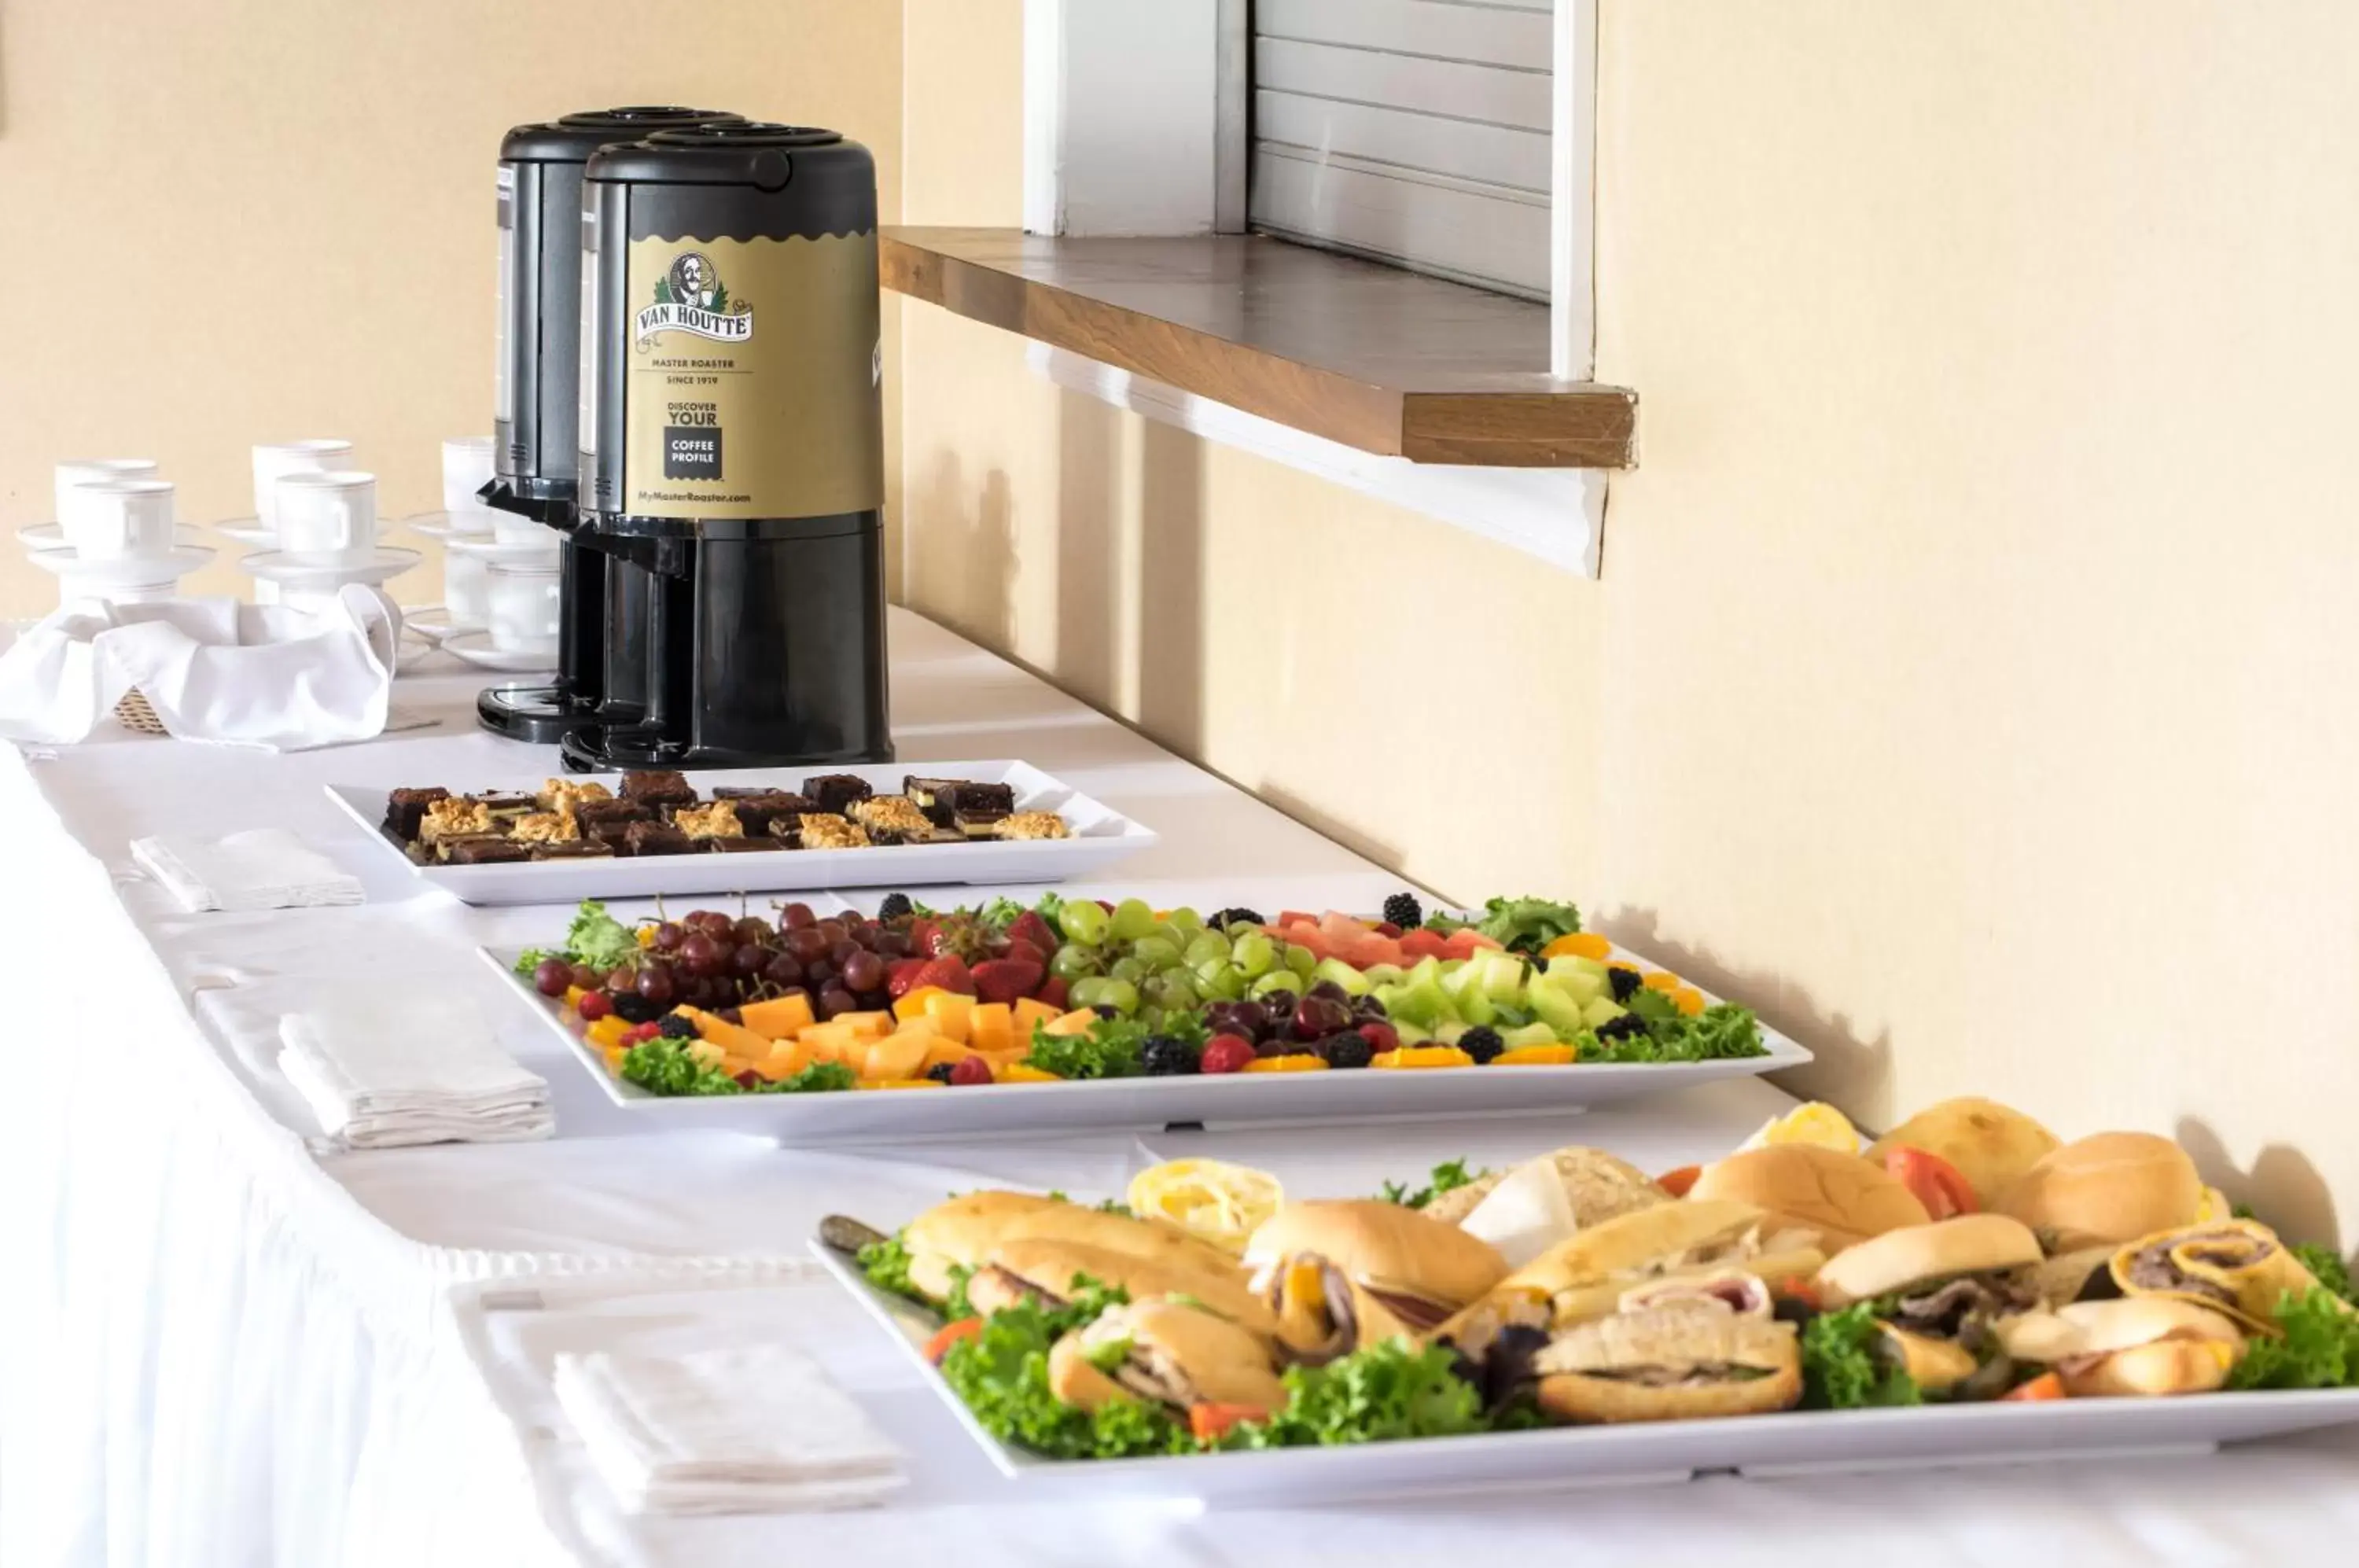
x,y
1559,1458
539,840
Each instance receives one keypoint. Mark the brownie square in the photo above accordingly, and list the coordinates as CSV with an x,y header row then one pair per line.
x,y
508,805
591,815
659,787
832,792
485,850
579,849
979,824
758,812
742,845
961,798
927,795
405,811
655,838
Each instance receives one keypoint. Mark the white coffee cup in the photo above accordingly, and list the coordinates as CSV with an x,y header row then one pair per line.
x,y
466,468
474,520
114,518
510,529
524,609
95,471
466,591
329,517
273,460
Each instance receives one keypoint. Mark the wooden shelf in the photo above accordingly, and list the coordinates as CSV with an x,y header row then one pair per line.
x,y
1371,357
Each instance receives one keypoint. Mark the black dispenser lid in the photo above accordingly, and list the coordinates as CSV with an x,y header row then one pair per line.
x,y
574,138
750,152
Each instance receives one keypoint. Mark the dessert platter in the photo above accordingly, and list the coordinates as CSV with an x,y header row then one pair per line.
x,y
650,833
1073,1012
1967,1288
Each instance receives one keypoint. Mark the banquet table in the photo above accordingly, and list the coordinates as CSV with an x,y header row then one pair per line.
x,y
224,1341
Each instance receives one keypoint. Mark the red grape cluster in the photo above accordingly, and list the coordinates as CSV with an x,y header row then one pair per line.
x,y
708,959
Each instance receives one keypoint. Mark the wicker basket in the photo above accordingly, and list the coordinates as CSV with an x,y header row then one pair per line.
x,y
134,714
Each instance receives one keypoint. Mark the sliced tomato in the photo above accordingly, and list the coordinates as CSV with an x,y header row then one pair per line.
x,y
1677,1182
1936,1181
1208,1421
950,1334
2047,1386
1796,1288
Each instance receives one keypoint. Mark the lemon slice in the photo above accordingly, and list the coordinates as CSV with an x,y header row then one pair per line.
x,y
1816,1123
1210,1198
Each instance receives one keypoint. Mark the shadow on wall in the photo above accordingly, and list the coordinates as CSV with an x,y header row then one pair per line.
x,y
2283,1187
1863,1068
970,566
1171,588
1087,661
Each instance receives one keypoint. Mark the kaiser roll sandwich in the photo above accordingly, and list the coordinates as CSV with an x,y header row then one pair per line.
x,y
2106,1189
1679,1360
2145,1345
1341,1274
1166,1351
963,1233
2236,1266
1598,1187
1844,1198
1045,1269
1940,1292
1989,1144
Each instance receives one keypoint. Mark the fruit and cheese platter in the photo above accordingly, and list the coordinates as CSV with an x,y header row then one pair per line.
x,y
649,833
1968,1289
1017,1016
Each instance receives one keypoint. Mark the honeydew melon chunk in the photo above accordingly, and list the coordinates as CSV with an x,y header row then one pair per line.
x,y
1600,1011
1430,969
1473,1006
1420,1002
1355,984
1382,974
1557,1007
1503,975
1527,1034
1410,1034
1449,1031
1276,980
1574,964
1579,985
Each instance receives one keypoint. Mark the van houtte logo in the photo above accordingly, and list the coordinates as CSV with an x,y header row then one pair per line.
x,y
690,297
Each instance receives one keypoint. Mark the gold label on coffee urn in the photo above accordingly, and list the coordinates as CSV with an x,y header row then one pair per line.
x,y
753,373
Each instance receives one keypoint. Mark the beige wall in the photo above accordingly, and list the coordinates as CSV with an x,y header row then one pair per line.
x,y
228,220
1965,685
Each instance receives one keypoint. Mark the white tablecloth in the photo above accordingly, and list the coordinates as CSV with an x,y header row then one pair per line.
x,y
219,1345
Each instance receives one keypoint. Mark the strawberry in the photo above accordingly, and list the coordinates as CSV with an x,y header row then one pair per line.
x,y
921,934
901,978
949,973
1006,979
1029,927
1053,992
1023,952
1225,1054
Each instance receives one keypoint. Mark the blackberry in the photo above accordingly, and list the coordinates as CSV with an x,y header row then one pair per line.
x,y
895,906
1482,1042
1404,911
634,1008
678,1026
941,1070
1166,1056
1349,1050
1623,1027
1239,915
1107,1010
1624,980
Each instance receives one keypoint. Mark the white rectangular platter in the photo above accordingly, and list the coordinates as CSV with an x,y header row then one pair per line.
x,y
1557,1458
1101,836
1220,1100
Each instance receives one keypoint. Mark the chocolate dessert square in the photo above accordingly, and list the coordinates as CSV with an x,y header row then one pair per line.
x,y
659,787
759,812
405,811
718,820
655,838
927,794
891,819
978,824
508,802
592,815
579,849
968,797
832,792
821,830
482,851
742,845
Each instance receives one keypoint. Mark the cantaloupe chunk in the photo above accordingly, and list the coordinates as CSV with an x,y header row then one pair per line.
x,y
833,1042
779,1016
896,1056
1030,1011
951,1013
913,1004
991,1026
614,1055
1078,1021
734,1039
870,1024
786,1058
919,1025
940,1051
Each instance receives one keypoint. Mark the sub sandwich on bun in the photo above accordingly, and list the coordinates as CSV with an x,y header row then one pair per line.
x,y
1165,1352
2106,1189
1940,1292
1597,1185
1344,1273
2144,1345
1045,1269
1690,1356
965,1232
2236,1266
1989,1144
1844,1198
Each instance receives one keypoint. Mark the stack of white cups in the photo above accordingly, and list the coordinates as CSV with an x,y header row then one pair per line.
x,y
500,571
315,516
115,537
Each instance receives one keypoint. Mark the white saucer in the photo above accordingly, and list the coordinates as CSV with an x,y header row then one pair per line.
x,y
294,572
52,535
432,624
436,526
123,571
476,648
491,552
249,530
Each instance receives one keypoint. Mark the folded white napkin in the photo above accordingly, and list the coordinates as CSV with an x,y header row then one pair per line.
x,y
754,1429
425,1071
213,669
266,868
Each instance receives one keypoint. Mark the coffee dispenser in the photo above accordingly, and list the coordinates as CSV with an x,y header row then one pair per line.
x,y
733,447
537,398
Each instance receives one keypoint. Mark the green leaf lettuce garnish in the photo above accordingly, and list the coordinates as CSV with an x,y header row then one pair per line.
x,y
1527,925
598,939
1448,1176
1394,1389
1111,1048
1840,1371
2318,1347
